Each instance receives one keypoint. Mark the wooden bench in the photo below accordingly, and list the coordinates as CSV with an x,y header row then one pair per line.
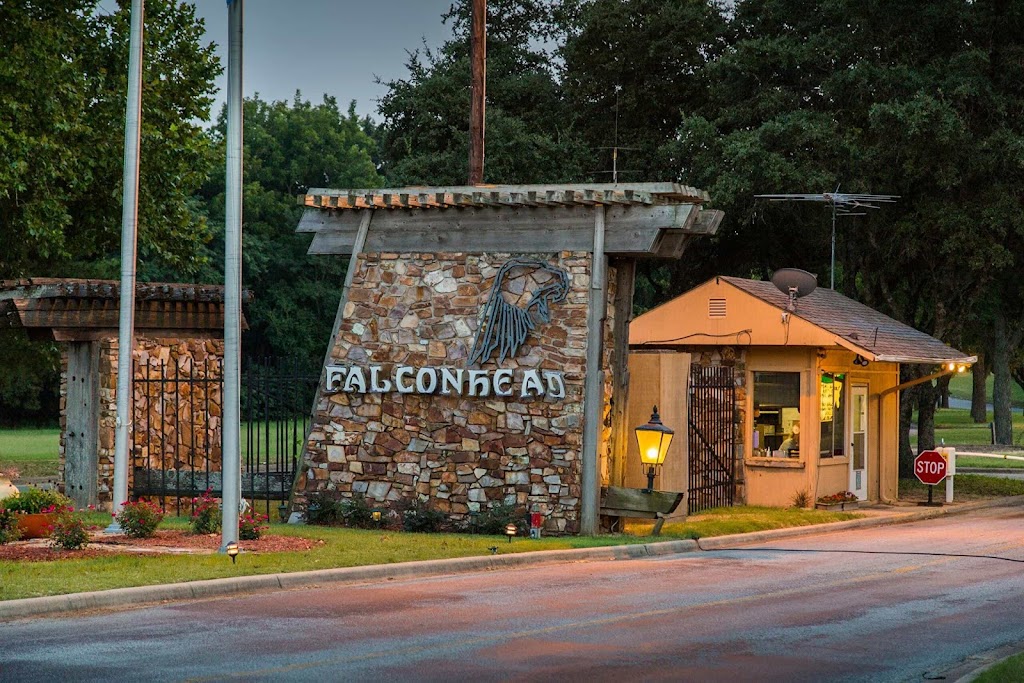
x,y
618,502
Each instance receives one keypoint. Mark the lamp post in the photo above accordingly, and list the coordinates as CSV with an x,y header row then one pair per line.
x,y
653,438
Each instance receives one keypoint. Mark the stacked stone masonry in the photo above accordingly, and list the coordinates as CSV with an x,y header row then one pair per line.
x,y
459,454
176,423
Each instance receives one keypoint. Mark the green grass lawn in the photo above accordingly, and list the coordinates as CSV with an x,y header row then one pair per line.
x,y
34,452
961,386
1011,669
956,428
351,548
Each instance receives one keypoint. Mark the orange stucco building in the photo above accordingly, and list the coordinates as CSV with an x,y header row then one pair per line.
x,y
774,396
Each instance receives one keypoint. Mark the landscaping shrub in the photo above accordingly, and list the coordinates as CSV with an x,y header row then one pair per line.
x,y
206,514
9,530
35,501
494,519
418,516
69,531
356,512
139,519
251,527
323,510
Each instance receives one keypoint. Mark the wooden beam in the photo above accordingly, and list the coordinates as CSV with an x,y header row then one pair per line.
x,y
622,431
631,230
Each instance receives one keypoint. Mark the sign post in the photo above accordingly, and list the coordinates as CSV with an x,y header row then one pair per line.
x,y
930,469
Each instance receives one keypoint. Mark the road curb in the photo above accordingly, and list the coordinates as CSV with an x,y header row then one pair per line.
x,y
210,588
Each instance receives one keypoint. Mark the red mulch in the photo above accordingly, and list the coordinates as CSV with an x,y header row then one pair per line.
x,y
162,543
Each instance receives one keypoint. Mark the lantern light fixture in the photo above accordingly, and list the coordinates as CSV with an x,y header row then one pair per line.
x,y
653,440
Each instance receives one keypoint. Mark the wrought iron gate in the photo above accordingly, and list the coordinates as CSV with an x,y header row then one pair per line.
x,y
176,435
712,405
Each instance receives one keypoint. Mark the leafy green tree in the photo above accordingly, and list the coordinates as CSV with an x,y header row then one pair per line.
x,y
898,97
64,78
63,75
289,147
531,133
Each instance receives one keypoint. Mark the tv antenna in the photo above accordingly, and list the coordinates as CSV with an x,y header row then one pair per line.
x,y
795,284
615,144
843,204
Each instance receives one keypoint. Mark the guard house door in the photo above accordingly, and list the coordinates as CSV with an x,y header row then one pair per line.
x,y
859,441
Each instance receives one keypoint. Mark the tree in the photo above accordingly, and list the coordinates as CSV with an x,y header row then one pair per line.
x,y
288,149
531,133
888,103
63,75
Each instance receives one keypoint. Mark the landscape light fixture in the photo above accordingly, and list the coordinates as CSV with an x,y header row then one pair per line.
x,y
653,439
510,531
282,512
232,550
375,515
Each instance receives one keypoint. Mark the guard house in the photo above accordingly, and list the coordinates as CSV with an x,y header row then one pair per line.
x,y
480,344
777,395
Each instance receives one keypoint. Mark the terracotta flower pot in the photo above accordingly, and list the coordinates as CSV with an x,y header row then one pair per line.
x,y
35,526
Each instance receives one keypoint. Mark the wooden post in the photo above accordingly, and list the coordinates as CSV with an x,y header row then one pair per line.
x,y
625,278
593,389
478,92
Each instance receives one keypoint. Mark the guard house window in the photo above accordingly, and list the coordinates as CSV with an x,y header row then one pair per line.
x,y
776,415
833,415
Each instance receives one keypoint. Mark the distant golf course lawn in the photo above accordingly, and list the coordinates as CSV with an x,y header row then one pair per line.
x,y
33,452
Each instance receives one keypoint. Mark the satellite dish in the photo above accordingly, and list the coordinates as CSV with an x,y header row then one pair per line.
x,y
794,283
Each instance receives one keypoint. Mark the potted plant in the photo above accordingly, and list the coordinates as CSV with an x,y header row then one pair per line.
x,y
843,500
35,509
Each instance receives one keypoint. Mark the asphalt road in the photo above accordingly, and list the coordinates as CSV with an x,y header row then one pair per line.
x,y
844,606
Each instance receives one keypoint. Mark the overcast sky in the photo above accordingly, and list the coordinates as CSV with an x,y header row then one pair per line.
x,y
318,46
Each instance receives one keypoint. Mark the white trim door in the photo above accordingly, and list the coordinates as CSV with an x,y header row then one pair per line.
x,y
859,441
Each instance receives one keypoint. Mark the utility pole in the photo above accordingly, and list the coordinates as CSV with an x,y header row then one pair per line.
x,y
231,492
129,232
478,91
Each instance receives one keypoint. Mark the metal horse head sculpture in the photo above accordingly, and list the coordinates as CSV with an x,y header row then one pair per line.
x,y
505,325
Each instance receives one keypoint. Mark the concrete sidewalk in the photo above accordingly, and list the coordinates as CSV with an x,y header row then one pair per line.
x,y
139,595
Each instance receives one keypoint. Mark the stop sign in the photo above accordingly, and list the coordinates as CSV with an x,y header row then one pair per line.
x,y
930,467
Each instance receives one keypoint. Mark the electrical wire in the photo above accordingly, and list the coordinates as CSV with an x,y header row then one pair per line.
x,y
704,334
858,552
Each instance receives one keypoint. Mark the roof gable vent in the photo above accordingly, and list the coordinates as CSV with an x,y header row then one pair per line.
x,y
716,308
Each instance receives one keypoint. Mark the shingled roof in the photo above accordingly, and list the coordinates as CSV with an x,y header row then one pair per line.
x,y
865,329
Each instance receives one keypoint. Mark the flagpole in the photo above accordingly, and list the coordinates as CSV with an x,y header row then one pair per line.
x,y
231,493
129,232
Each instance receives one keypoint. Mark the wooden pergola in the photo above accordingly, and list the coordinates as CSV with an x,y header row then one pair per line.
x,y
616,224
82,313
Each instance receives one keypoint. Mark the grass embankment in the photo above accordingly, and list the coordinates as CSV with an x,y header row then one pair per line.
x,y
1011,669
354,547
33,452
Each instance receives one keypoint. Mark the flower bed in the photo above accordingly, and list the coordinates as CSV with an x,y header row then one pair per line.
x,y
845,500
